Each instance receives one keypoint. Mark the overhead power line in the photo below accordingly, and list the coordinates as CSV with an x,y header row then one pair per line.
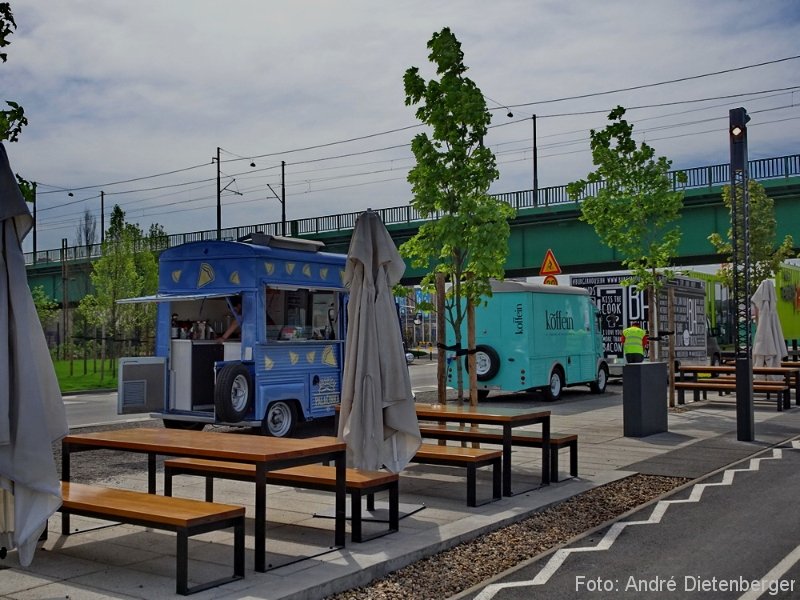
x,y
656,84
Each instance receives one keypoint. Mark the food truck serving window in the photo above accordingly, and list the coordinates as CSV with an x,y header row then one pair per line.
x,y
301,314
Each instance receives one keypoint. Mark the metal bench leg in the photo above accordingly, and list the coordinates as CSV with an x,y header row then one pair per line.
x,y
167,481
497,487
394,507
573,459
355,515
371,502
238,548
681,396
209,488
471,485
553,463
182,564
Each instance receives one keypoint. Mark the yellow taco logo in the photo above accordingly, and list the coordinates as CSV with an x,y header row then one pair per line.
x,y
310,356
268,363
323,272
294,357
176,276
341,275
329,356
234,278
307,270
206,275
270,267
290,268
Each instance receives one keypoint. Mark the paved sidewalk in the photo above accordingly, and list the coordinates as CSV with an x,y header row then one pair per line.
x,y
122,561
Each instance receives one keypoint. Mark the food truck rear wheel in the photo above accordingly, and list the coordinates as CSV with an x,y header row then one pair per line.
x,y
553,391
599,385
233,394
280,419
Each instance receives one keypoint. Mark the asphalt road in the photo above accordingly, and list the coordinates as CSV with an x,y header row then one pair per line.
x,y
709,541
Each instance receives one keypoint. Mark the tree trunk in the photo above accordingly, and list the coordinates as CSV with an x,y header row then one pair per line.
x,y
441,359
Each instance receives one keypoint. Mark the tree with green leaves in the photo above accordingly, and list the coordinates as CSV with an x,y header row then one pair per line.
x,y
765,257
46,307
634,208
126,269
466,238
12,119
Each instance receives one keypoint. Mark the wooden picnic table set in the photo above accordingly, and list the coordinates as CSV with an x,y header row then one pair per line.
x,y
303,463
722,378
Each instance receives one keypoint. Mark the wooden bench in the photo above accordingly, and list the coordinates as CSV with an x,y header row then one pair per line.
x,y
470,458
780,389
314,477
184,517
519,437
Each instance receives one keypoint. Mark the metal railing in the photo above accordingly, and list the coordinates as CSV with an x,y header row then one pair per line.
x,y
696,177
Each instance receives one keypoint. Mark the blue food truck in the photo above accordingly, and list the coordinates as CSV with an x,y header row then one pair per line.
x,y
281,365
533,336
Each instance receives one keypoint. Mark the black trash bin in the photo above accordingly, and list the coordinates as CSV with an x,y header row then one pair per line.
x,y
644,399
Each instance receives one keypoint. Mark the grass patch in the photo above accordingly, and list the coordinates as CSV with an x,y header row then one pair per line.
x,y
80,377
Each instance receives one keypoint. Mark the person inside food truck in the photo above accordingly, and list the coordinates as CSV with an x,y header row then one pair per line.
x,y
233,328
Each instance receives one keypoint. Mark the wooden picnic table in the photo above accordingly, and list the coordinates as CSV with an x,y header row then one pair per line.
x,y
507,418
791,373
266,453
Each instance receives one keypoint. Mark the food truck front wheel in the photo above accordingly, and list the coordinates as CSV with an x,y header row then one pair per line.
x,y
599,385
233,393
280,419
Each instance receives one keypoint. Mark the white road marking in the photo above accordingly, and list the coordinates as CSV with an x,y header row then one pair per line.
x,y
611,535
774,574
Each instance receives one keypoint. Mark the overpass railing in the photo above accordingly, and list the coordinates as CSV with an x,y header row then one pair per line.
x,y
696,177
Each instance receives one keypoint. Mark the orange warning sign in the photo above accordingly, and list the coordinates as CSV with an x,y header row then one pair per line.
x,y
550,264
550,280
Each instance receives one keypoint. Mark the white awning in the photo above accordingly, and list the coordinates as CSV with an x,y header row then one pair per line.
x,y
177,297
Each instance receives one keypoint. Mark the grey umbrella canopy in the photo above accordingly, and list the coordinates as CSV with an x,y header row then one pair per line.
x,y
769,346
377,418
32,414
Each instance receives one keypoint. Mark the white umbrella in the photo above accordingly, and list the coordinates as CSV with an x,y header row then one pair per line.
x,y
377,419
32,414
769,346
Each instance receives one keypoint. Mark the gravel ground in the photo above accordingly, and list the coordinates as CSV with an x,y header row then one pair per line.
x,y
455,570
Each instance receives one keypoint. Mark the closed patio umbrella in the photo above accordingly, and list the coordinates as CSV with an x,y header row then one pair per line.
x,y
769,346
32,414
377,417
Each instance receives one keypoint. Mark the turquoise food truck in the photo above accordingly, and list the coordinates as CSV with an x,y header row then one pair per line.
x,y
283,365
534,336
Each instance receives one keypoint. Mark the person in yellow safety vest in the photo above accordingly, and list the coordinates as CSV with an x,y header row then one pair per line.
x,y
634,341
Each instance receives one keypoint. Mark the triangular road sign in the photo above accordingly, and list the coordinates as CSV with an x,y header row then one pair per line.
x,y
550,264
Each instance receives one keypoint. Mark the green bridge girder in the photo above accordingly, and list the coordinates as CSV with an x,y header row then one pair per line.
x,y
535,230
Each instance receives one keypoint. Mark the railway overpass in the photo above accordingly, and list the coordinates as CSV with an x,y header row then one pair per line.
x,y
548,221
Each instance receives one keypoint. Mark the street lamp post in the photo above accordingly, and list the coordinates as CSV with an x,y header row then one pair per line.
x,y
740,234
535,165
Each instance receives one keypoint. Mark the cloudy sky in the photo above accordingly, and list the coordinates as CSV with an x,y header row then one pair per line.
x,y
133,98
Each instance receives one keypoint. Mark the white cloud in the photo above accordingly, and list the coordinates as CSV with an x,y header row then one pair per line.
x,y
116,91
